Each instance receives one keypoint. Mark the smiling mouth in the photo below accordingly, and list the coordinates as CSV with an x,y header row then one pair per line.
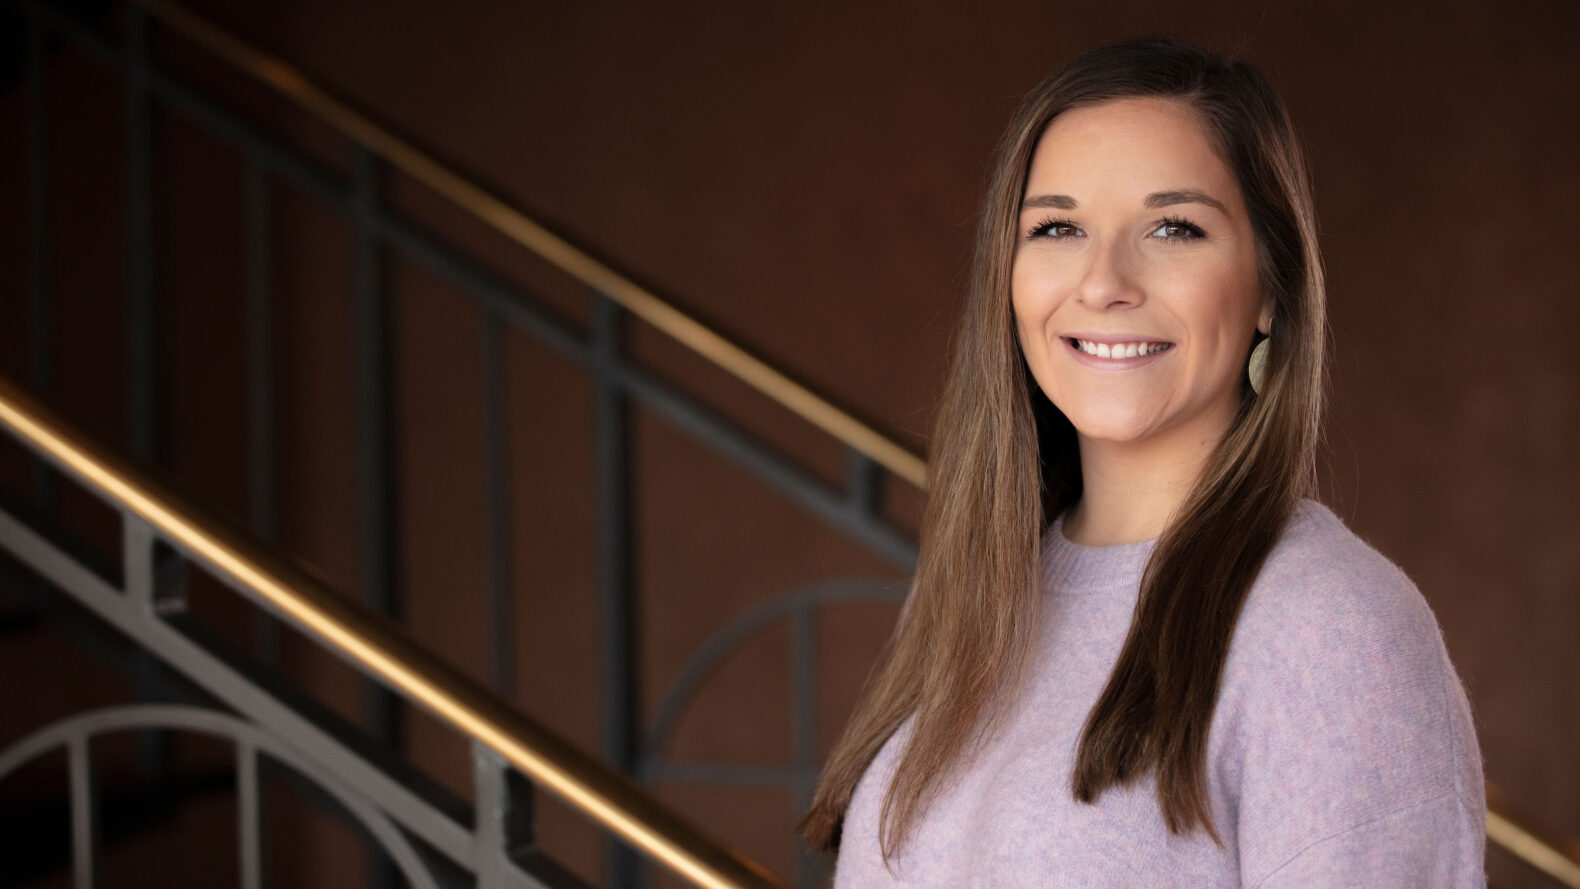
x,y
1137,349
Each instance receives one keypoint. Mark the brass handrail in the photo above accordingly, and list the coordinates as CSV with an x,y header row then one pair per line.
x,y
1525,845
383,651
514,224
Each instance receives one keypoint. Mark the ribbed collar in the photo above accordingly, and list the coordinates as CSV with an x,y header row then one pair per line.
x,y
1074,568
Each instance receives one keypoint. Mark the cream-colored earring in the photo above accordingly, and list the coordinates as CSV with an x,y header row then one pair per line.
x,y
1257,368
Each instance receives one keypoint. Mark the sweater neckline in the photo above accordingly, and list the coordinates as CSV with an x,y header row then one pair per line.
x,y
1073,567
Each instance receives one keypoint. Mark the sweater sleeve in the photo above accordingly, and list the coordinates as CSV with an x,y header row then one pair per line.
x,y
1424,844
1348,757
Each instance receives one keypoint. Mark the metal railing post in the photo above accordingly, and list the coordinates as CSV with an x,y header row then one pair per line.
x,y
84,815
864,486
257,218
616,599
41,315
142,345
249,817
497,496
142,358
377,495
503,831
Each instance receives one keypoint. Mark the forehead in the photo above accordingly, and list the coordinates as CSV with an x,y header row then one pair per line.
x,y
1129,147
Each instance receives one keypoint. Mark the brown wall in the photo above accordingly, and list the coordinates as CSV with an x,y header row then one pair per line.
x,y
806,178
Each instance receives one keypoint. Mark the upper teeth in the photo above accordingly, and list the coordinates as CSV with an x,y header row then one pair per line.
x,y
1120,350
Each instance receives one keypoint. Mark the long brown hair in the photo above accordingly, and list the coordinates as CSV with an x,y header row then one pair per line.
x,y
1005,463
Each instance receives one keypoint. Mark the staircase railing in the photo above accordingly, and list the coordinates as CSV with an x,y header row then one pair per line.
x,y
151,514
382,235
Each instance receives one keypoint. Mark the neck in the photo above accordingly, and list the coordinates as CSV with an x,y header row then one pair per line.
x,y
1130,490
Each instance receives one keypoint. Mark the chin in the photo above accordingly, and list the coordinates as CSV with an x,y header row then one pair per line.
x,y
1113,436
1117,429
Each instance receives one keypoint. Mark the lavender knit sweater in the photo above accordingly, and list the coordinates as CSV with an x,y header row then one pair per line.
x,y
1341,752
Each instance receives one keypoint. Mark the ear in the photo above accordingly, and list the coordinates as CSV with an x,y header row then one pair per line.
x,y
1264,320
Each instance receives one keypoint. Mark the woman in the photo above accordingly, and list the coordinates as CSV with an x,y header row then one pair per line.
x,y
1134,655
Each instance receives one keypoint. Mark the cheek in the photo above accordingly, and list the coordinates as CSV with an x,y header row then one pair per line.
x,y
1032,299
1023,304
1025,322
1225,305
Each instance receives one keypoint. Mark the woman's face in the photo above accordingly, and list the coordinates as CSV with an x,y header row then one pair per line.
x,y
1135,275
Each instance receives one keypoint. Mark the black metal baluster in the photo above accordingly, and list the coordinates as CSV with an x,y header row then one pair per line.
x,y
260,381
497,496
377,495
864,485
84,815
142,344
249,816
259,258
42,315
616,599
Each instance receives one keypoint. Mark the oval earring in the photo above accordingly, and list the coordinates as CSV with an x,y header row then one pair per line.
x,y
1257,368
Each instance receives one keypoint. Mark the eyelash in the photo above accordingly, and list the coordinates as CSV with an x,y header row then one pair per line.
x,y
1192,230
1044,228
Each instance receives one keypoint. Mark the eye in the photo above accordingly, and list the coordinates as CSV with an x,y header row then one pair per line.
x,y
1176,230
1058,229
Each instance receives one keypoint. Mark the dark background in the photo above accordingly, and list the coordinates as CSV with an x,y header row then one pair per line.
x,y
805,178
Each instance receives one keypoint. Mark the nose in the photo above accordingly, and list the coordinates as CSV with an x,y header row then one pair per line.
x,y
1109,281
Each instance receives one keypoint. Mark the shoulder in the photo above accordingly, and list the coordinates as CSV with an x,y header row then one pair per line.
x,y
1338,702
1321,581
1330,618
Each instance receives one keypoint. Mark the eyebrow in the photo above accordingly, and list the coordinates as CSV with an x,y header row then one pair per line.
x,y
1183,196
1055,201
1153,201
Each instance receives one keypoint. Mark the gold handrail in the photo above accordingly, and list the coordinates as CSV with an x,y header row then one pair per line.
x,y
381,650
515,225
1525,845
